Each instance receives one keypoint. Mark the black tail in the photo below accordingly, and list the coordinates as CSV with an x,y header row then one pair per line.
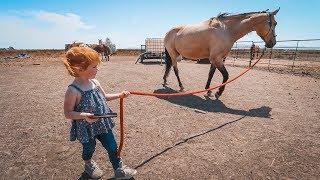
x,y
167,60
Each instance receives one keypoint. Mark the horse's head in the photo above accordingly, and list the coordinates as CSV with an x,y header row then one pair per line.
x,y
266,29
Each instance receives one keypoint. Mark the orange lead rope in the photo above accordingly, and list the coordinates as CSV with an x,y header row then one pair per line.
x,y
173,94
121,128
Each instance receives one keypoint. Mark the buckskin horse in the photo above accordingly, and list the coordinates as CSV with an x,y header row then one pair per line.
x,y
213,39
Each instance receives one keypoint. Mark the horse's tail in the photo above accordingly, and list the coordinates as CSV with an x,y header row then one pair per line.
x,y
167,60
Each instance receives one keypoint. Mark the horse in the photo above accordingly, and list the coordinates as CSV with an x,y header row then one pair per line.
x,y
254,51
213,39
103,49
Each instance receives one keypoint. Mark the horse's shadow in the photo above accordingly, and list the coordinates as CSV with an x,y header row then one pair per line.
x,y
211,105
152,63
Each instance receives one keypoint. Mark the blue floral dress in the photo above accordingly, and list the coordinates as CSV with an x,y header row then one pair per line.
x,y
92,101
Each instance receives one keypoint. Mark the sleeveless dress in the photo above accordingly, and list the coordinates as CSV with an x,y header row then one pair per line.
x,y
91,101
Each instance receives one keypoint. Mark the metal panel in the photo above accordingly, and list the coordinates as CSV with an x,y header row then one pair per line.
x,y
154,45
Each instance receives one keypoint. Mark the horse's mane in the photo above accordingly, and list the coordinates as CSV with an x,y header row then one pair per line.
x,y
219,20
222,16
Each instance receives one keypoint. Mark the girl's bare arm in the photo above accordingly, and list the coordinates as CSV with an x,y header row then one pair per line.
x,y
110,97
69,104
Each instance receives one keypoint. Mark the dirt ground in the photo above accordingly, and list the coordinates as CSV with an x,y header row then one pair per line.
x,y
265,125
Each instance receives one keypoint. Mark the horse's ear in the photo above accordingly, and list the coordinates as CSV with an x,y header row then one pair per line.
x,y
276,11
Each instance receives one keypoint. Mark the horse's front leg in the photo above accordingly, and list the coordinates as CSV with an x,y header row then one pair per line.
x,y
211,72
225,75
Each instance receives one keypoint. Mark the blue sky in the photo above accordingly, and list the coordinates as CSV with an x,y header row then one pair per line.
x,y
35,24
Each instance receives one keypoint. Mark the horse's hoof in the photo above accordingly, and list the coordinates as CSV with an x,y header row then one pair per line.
x,y
181,90
209,93
217,95
164,84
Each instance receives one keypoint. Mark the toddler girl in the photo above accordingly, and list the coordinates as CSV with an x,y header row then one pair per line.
x,y
84,100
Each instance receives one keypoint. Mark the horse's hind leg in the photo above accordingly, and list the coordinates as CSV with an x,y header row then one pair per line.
x,y
176,72
168,62
211,72
225,75
171,60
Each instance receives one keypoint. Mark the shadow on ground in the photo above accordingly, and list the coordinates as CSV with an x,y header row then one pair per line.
x,y
208,105
152,63
211,105
186,140
85,176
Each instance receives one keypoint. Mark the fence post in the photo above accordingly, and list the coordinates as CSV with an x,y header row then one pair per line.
x,y
252,49
294,57
270,57
271,53
236,56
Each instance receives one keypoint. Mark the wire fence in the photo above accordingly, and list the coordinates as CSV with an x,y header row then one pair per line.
x,y
296,56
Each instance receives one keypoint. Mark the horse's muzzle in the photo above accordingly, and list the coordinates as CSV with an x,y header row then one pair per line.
x,y
270,45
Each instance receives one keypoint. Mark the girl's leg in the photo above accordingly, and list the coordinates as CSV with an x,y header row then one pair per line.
x,y
90,167
109,143
88,150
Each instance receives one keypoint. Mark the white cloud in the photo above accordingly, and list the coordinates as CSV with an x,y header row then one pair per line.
x,y
38,30
69,20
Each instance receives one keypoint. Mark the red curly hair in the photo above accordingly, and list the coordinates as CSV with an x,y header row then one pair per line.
x,y
80,58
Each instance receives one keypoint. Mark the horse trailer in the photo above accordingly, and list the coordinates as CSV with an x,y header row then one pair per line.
x,y
153,49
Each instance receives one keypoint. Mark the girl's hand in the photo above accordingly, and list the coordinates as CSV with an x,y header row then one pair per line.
x,y
89,117
124,94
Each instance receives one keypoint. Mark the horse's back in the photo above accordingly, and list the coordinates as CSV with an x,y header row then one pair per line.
x,y
172,33
169,39
196,41
193,41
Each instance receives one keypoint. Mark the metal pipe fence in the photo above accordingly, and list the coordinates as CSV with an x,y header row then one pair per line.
x,y
298,56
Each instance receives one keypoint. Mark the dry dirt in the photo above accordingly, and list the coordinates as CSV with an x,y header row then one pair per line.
x,y
265,126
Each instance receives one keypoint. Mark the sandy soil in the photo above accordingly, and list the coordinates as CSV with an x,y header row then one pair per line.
x,y
265,125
